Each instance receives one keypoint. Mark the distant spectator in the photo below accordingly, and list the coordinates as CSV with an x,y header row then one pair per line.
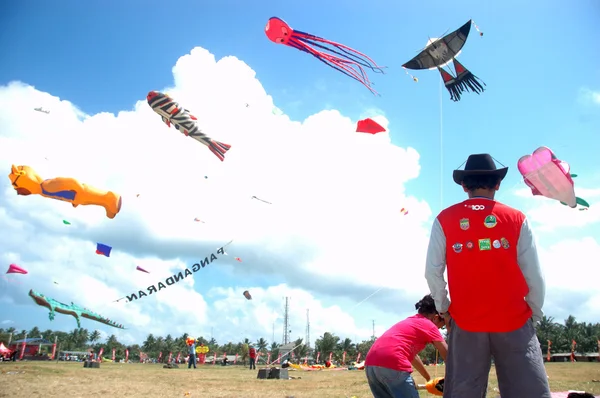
x,y
192,360
252,355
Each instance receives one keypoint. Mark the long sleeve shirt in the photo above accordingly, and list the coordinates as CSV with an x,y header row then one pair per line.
x,y
527,259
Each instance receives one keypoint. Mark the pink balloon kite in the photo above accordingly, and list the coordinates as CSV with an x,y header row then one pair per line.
x,y
548,176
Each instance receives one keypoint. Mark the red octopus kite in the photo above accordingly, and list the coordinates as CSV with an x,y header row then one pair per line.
x,y
340,57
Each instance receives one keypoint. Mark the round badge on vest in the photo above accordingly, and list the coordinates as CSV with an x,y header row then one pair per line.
x,y
504,242
496,244
470,245
490,221
457,247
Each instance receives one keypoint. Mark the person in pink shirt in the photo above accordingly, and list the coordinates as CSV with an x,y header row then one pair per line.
x,y
391,359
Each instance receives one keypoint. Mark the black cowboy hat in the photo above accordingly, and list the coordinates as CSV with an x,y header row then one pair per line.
x,y
479,164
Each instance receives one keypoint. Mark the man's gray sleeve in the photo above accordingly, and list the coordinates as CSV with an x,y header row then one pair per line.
x,y
435,265
529,262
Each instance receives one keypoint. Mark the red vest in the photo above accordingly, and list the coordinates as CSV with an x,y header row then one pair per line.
x,y
486,285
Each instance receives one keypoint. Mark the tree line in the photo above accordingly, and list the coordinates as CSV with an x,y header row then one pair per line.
x,y
585,334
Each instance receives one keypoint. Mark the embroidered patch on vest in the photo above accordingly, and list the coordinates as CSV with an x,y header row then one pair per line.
x,y
490,221
485,244
464,224
496,244
469,245
457,247
504,242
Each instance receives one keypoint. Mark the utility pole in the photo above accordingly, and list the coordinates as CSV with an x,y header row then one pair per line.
x,y
373,329
286,322
307,342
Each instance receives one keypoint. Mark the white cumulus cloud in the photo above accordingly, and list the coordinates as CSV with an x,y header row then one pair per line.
x,y
549,215
333,233
589,96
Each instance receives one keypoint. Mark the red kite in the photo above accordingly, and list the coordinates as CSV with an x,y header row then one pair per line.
x,y
369,126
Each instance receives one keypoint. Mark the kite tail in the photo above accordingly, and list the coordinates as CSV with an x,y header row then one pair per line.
x,y
451,85
218,148
466,80
346,66
346,52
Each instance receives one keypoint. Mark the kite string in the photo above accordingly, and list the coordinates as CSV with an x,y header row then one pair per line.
x,y
304,343
441,149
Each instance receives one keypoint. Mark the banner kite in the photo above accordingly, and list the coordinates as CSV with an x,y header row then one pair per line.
x,y
155,288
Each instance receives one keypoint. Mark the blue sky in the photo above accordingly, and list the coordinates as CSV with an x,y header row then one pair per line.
x,y
104,56
536,57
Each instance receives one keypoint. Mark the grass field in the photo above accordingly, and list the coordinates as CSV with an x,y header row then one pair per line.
x,y
65,379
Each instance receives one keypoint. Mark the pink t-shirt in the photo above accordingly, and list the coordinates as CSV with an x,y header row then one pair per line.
x,y
397,347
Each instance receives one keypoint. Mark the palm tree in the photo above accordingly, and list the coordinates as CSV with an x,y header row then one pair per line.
x,y
149,346
326,344
94,336
300,349
274,350
34,333
346,346
546,330
261,344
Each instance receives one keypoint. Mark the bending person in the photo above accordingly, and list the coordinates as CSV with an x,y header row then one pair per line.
x,y
390,360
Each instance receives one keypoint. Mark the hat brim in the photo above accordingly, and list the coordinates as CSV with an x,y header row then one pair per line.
x,y
459,175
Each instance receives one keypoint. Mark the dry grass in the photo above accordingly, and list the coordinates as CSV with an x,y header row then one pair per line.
x,y
64,379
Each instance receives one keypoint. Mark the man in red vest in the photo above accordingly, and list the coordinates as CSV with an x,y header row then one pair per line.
x,y
252,354
496,285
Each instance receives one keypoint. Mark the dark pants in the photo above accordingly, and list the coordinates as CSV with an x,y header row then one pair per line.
x,y
517,357
192,361
252,363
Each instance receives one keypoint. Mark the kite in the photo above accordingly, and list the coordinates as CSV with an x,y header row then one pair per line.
x,y
262,200
247,295
66,222
548,176
403,211
138,268
40,109
15,269
199,220
438,53
340,57
27,182
70,309
180,276
434,386
186,123
103,250
369,126
238,259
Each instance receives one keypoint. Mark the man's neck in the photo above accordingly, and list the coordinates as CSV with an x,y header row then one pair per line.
x,y
482,193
